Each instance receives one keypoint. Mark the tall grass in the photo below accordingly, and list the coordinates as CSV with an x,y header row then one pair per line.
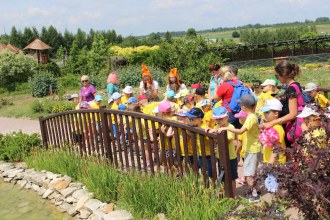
x,y
143,195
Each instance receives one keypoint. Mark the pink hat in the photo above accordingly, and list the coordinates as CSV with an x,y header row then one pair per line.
x,y
164,106
113,78
241,114
196,86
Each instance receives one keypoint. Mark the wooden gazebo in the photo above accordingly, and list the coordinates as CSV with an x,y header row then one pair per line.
x,y
39,50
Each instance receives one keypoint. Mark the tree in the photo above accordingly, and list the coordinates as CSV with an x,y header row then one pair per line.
x,y
191,32
322,20
98,55
28,36
168,37
16,37
235,34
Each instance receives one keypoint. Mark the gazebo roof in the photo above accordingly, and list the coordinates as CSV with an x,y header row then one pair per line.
x,y
13,48
37,45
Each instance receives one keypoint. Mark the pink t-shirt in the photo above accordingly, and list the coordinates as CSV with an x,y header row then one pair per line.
x,y
87,94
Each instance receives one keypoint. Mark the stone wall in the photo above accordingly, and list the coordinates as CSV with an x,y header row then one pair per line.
x,y
66,195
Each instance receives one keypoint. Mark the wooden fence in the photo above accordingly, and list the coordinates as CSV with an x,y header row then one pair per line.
x,y
133,141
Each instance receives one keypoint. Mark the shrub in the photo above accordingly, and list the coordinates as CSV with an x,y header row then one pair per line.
x,y
4,101
313,65
37,106
15,146
42,84
51,67
69,81
235,34
248,77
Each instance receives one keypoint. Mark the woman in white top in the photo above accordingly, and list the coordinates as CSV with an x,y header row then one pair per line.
x,y
148,86
174,82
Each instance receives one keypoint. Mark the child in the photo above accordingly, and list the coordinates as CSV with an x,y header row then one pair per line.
x,y
241,143
220,115
315,134
268,88
199,97
131,101
251,128
195,117
170,97
116,97
128,93
320,99
74,98
272,136
206,106
188,102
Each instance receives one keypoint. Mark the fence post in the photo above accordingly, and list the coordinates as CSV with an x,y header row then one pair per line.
x,y
222,142
43,132
106,132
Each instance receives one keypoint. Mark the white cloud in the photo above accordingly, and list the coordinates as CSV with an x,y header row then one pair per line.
x,y
169,4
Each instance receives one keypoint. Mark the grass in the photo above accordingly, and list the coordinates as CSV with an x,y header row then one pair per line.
x,y
142,194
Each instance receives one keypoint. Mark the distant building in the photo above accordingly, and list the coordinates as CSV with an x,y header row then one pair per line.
x,y
10,48
39,50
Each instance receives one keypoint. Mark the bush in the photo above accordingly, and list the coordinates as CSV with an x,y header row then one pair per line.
x,y
37,106
4,101
132,75
313,65
51,106
51,68
42,84
16,146
248,77
235,34
69,81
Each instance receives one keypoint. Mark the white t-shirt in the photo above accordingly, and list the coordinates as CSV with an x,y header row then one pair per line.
x,y
153,86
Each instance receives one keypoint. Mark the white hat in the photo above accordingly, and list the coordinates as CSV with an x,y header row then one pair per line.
x,y
116,96
310,86
205,102
272,104
75,95
128,90
269,82
306,112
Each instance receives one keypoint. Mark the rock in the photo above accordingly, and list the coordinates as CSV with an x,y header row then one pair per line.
x,y
19,176
29,170
5,167
108,208
161,216
47,193
41,191
68,191
70,200
84,214
64,207
14,172
37,178
35,187
118,215
51,175
79,193
21,183
72,211
98,214
65,177
78,185
21,165
81,202
61,184
92,205
7,180
58,202
28,185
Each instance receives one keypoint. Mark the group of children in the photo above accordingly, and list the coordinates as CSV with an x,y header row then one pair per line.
x,y
250,143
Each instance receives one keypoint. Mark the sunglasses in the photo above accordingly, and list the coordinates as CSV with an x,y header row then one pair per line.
x,y
84,80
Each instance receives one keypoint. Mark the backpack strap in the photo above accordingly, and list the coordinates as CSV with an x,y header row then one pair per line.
x,y
300,96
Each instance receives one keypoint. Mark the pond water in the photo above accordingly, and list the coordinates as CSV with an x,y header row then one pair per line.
x,y
26,204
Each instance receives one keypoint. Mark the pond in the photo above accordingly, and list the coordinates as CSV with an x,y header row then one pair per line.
x,y
26,204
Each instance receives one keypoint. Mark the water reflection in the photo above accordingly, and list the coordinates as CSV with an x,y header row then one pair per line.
x,y
26,204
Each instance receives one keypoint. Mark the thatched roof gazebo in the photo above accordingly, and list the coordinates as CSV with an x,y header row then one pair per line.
x,y
39,50
10,48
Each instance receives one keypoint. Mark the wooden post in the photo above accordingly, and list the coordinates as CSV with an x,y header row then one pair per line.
x,y
43,132
106,132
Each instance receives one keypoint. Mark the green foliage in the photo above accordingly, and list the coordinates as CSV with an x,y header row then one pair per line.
x,y
248,77
42,84
15,146
50,106
132,75
15,68
69,81
143,194
4,101
191,32
235,34
51,67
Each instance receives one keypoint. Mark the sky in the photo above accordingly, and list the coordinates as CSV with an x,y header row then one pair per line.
x,y
142,17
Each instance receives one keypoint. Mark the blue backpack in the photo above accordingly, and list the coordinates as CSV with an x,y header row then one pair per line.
x,y
239,91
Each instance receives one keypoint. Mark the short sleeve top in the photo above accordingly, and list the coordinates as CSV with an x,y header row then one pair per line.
x,y
87,93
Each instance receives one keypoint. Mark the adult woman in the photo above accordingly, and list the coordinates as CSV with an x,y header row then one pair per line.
x,y
113,82
215,80
174,83
87,91
225,92
292,101
148,86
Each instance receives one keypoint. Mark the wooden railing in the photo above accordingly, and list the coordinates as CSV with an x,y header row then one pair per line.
x,y
133,141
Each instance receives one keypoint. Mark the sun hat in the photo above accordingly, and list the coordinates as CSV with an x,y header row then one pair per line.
x,y
306,112
75,95
272,104
205,102
195,113
164,106
84,105
142,97
310,87
187,99
247,100
131,100
170,94
219,112
110,100
182,93
116,95
122,107
128,90
200,91
241,114
268,82
181,112
98,98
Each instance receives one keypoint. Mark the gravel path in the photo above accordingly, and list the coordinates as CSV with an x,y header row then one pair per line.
x,y
8,125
